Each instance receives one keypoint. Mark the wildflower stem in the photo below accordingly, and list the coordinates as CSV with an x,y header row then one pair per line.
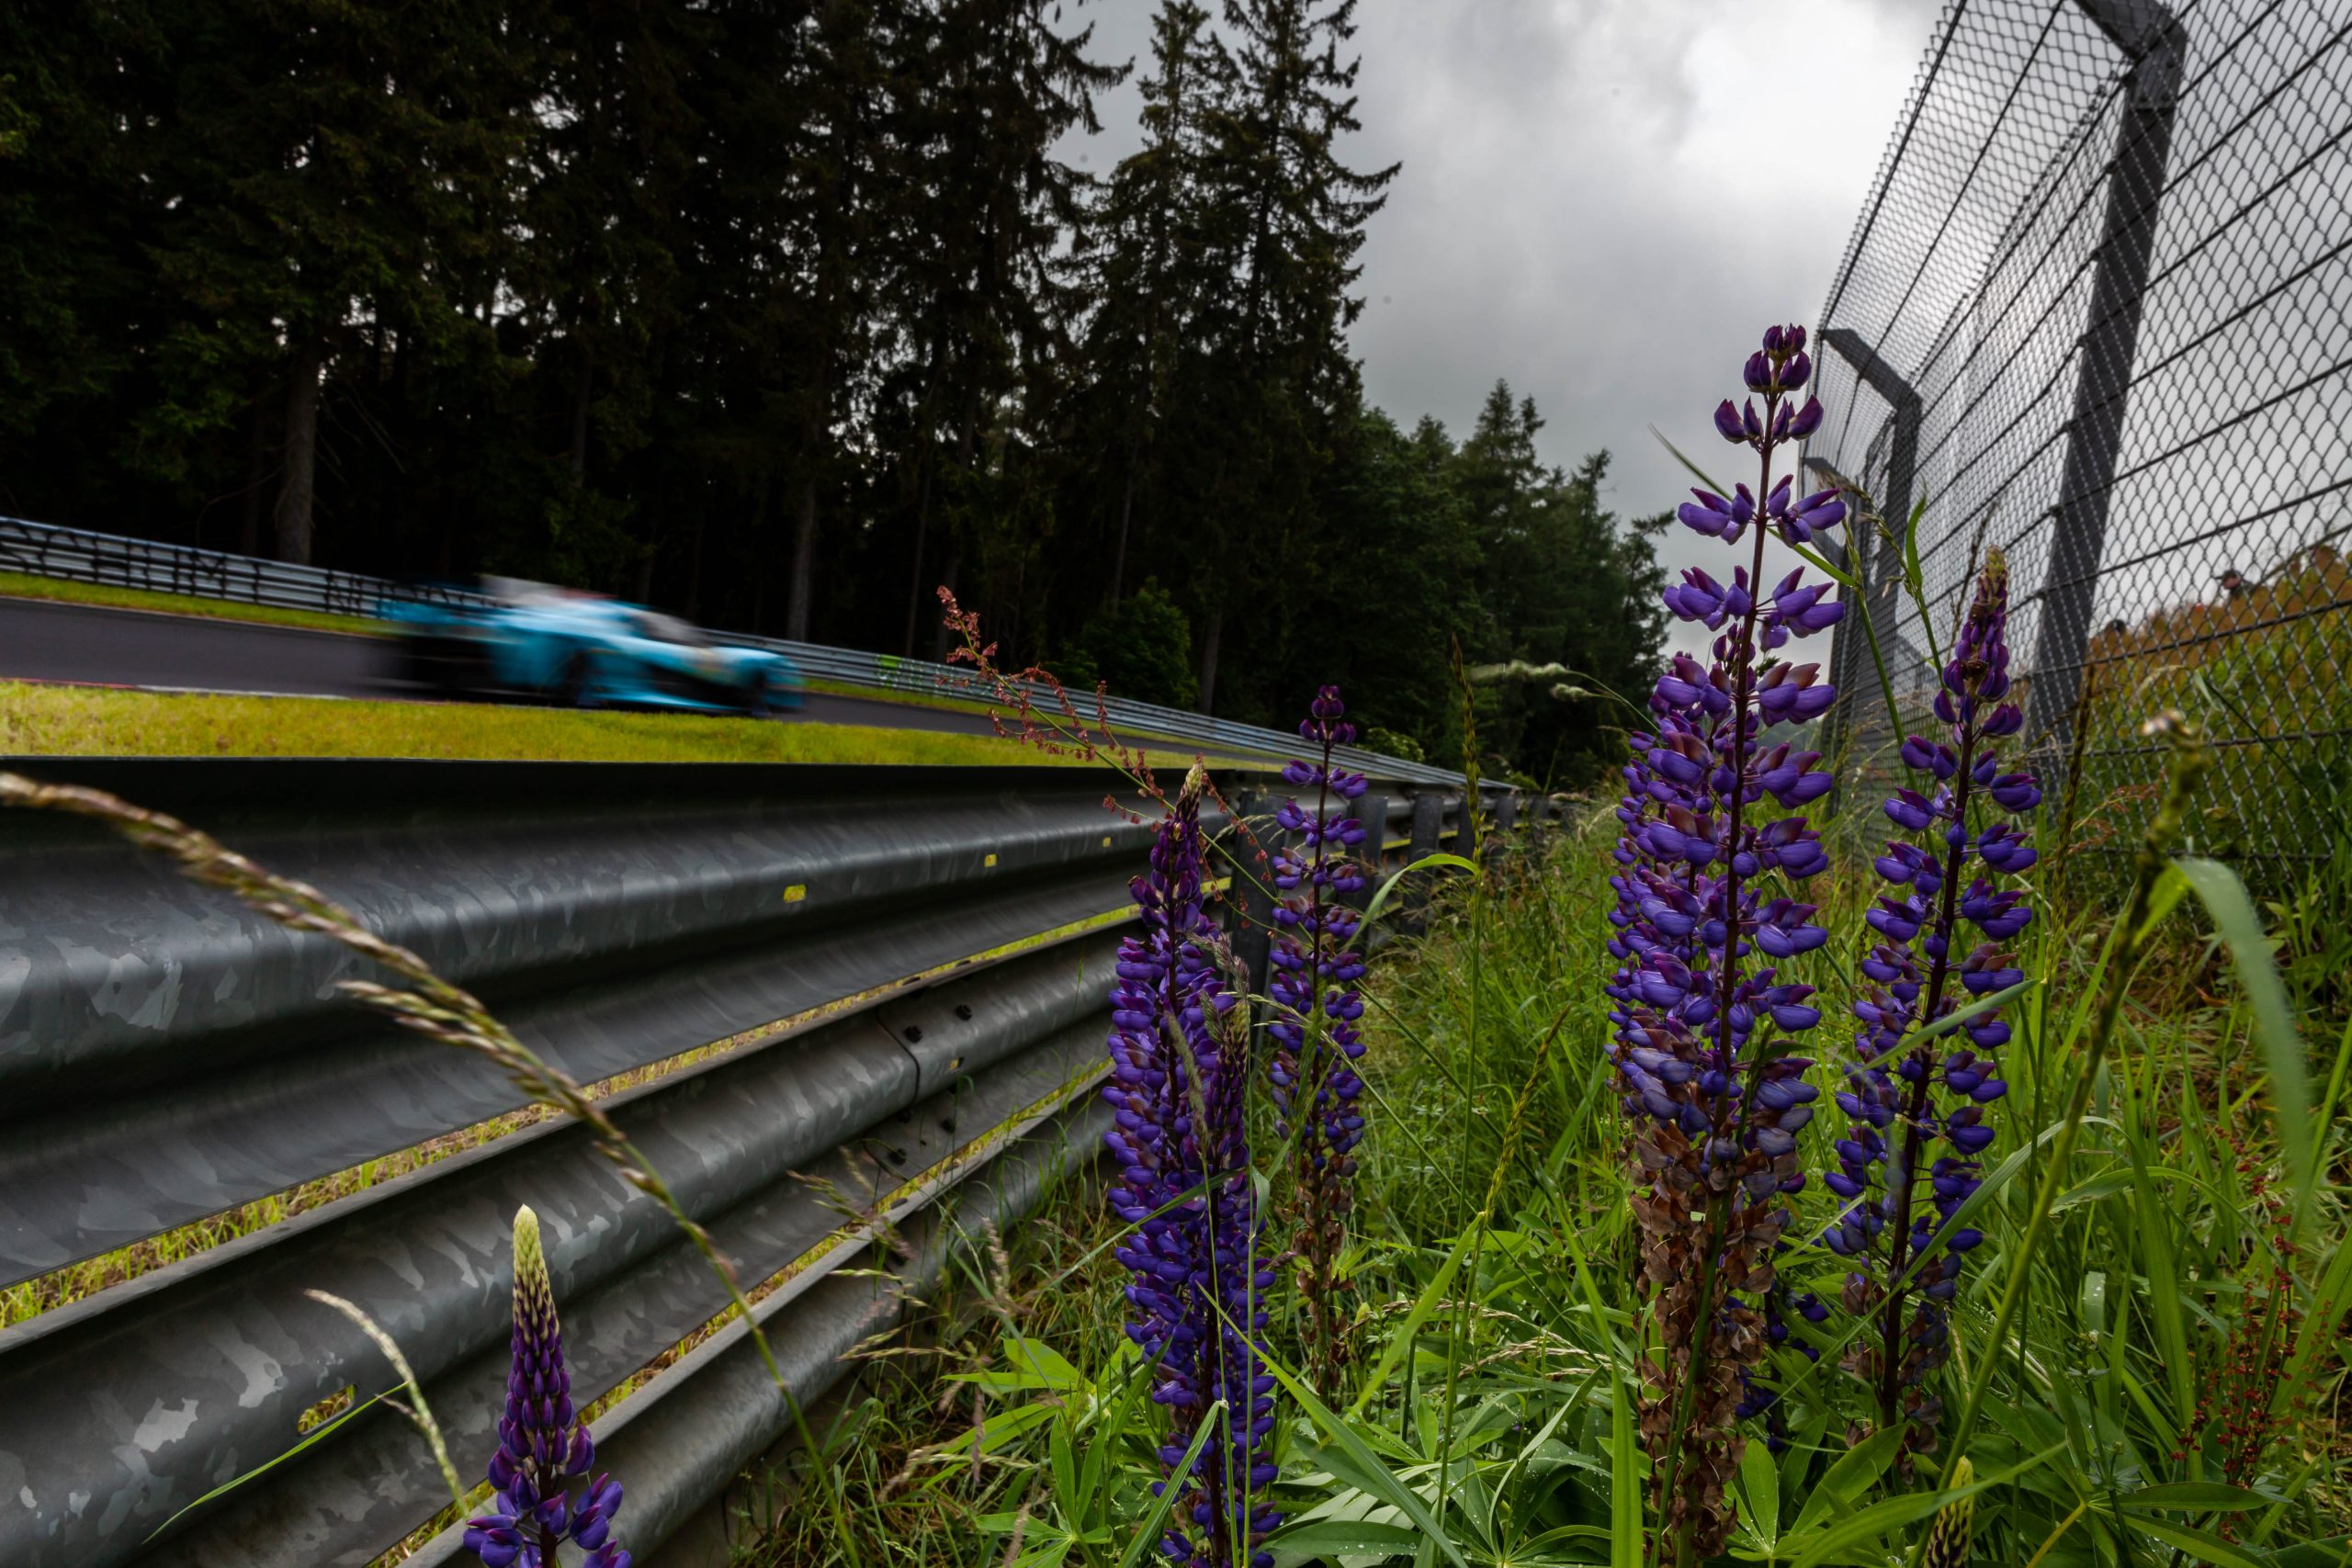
x,y
1719,1199
1906,1176
2189,763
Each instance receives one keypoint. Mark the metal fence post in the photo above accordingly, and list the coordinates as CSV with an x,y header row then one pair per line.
x,y
1878,570
2158,45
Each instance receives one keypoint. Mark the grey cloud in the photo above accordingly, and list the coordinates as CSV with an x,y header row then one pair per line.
x,y
1601,201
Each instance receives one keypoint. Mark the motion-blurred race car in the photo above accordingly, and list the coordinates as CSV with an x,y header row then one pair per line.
x,y
582,650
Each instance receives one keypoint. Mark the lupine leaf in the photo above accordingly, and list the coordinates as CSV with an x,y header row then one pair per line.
x,y
1365,1472
1759,1490
1335,1538
1855,1472
1359,1467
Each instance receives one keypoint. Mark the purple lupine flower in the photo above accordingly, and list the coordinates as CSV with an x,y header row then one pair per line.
x,y
542,1444
1180,1073
1314,1010
1706,1017
1919,1109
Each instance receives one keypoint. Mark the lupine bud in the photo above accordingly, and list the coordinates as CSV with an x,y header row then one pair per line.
x,y
542,1445
1947,1541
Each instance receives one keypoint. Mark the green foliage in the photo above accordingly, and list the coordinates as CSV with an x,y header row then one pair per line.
x,y
1142,646
1388,743
1488,1415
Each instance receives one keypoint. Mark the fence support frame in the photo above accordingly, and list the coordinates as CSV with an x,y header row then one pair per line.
x,y
2156,42
1878,569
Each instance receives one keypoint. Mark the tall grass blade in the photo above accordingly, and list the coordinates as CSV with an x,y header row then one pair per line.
x,y
2225,900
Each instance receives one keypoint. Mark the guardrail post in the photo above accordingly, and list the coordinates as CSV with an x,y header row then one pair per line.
x,y
1429,816
1371,810
1465,828
1250,894
2158,45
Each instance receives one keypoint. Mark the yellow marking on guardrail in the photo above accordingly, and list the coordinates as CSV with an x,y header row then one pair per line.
x,y
990,860
796,892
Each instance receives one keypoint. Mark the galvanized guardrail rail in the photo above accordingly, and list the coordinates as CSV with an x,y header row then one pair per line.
x,y
909,968
76,555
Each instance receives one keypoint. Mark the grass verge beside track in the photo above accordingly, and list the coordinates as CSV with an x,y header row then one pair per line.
x,y
22,585
97,721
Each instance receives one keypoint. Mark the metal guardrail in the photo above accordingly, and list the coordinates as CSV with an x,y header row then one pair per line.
x,y
165,1055
74,555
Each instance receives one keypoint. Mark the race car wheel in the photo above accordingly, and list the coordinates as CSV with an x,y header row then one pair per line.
x,y
760,699
572,687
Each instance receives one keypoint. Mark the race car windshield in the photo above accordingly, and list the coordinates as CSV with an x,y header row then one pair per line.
x,y
669,629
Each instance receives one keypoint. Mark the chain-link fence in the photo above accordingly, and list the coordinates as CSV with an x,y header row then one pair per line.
x,y
2094,313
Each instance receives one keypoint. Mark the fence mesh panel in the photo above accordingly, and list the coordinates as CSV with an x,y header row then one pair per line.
x,y
2108,252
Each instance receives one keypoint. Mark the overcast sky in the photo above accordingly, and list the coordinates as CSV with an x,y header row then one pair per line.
x,y
1602,201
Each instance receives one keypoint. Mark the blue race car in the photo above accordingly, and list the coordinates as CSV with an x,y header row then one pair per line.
x,y
583,650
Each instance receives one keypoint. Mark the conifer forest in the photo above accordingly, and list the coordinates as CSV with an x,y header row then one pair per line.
x,y
779,315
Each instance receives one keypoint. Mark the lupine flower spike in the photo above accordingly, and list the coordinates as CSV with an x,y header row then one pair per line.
x,y
1180,1074
1705,1017
1918,1108
542,1444
1315,1011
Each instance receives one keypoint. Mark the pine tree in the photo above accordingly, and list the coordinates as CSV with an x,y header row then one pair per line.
x,y
1143,270
1290,217
327,171
982,288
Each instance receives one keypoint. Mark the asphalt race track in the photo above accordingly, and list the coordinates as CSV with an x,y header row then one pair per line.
x,y
89,645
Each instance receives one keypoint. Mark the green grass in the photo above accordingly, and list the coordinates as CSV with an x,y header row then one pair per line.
x,y
22,585
1500,1325
88,721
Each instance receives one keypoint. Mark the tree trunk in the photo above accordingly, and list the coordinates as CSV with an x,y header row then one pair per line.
x,y
1210,636
645,565
257,473
294,497
804,567
914,575
1119,556
760,554
694,560
579,415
